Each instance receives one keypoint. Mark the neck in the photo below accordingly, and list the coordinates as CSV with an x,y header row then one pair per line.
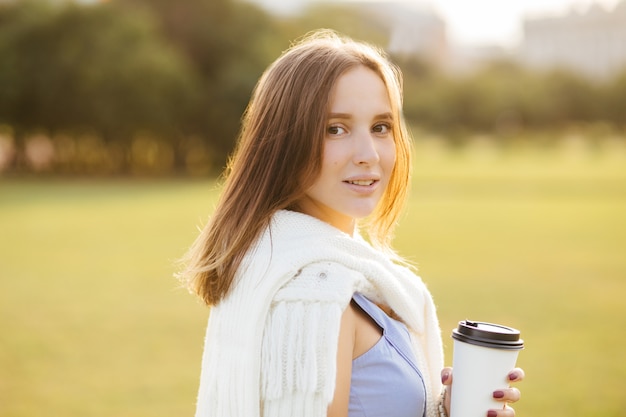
x,y
346,224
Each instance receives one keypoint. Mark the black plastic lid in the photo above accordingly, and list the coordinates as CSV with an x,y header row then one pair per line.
x,y
488,335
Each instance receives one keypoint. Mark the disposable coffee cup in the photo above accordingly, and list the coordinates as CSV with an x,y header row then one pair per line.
x,y
484,354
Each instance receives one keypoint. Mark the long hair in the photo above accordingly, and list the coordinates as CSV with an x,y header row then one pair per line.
x,y
279,153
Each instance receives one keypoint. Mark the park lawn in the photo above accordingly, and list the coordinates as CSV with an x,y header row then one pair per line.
x,y
94,324
534,238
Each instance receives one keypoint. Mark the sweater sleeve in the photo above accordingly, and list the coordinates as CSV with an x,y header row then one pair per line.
x,y
300,339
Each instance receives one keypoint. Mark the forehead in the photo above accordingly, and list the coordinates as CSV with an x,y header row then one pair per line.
x,y
360,88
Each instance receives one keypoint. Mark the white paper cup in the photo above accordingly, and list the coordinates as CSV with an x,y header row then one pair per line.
x,y
484,354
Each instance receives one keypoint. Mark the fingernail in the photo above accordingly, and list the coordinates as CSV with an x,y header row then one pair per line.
x,y
498,394
492,413
513,376
444,377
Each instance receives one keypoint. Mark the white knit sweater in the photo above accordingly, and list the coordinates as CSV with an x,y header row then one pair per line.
x,y
271,344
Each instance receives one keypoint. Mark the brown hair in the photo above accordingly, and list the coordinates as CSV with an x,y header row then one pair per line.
x,y
279,152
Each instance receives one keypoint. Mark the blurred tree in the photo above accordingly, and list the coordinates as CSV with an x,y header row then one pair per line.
x,y
132,72
228,44
562,97
17,98
78,68
614,103
497,92
353,20
504,98
414,68
423,91
427,102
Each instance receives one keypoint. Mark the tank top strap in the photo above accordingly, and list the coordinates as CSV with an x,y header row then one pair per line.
x,y
393,330
372,310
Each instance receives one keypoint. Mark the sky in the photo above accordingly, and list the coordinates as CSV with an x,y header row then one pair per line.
x,y
499,22
479,22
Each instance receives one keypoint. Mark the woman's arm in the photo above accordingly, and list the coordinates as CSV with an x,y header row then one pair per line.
x,y
347,336
358,333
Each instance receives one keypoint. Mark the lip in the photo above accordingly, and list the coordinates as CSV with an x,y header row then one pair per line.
x,y
362,189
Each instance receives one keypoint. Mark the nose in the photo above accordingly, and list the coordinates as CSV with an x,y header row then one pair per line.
x,y
365,149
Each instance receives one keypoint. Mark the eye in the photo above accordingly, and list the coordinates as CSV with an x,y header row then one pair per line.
x,y
382,128
335,130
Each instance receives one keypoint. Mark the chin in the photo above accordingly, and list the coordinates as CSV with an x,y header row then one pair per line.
x,y
362,213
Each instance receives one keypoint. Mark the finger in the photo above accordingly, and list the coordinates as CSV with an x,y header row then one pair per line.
x,y
516,375
446,376
503,412
509,395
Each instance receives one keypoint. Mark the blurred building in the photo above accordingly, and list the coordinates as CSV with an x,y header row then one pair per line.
x,y
592,43
282,7
414,28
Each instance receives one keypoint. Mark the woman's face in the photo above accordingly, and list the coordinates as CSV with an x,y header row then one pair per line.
x,y
359,151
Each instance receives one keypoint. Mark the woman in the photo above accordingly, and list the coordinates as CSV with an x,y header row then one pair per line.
x,y
307,317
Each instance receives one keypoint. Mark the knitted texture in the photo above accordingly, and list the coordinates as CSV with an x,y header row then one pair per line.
x,y
270,347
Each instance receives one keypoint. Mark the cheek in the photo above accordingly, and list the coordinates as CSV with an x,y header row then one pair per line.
x,y
388,155
332,156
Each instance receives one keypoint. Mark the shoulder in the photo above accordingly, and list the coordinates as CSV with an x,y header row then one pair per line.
x,y
321,282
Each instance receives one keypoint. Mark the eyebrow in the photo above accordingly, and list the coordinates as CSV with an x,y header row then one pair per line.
x,y
385,116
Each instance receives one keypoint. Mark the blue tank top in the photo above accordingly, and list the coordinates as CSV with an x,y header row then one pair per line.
x,y
385,380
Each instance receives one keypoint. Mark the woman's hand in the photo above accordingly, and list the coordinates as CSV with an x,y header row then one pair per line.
x,y
506,395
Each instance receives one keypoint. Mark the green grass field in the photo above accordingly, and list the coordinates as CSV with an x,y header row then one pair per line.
x,y
93,324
